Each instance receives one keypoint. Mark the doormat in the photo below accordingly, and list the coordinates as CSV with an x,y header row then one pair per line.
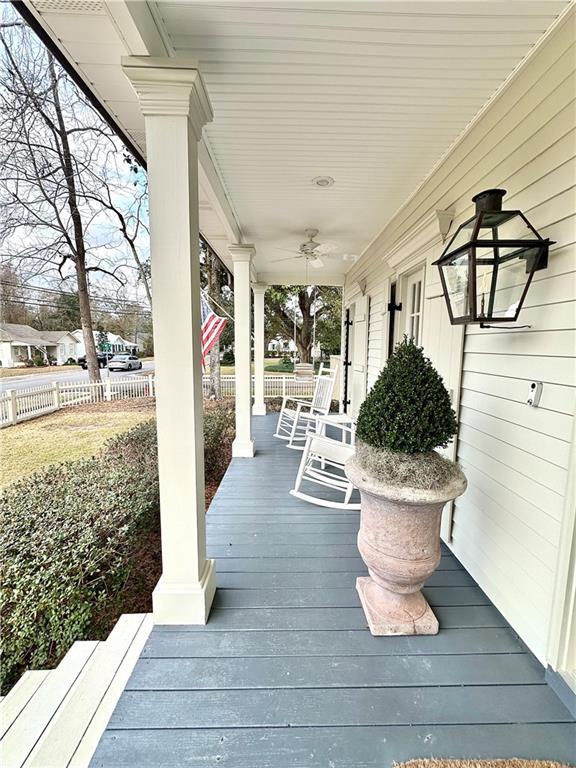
x,y
512,762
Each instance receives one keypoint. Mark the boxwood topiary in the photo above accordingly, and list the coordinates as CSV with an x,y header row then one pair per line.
x,y
408,409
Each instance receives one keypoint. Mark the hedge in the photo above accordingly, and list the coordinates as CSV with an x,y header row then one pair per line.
x,y
67,534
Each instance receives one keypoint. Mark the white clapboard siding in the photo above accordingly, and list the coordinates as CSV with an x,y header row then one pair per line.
x,y
506,528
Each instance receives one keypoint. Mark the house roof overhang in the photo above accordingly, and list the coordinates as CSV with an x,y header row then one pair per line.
x,y
367,93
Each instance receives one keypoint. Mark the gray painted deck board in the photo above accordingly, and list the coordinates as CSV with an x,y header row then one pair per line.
x,y
340,598
307,564
333,672
266,619
340,580
352,747
299,642
286,675
278,707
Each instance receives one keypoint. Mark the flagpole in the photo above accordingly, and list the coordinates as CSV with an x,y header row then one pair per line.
x,y
207,296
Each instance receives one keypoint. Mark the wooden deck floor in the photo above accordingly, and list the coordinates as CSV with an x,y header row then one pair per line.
x,y
286,674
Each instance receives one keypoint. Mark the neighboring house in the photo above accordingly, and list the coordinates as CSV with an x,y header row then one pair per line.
x,y
114,343
19,343
282,346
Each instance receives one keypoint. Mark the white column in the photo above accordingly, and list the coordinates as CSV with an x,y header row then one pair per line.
x,y
243,445
176,106
259,407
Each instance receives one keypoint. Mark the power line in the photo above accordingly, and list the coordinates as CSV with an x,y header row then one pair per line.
x,y
27,303
59,292
101,299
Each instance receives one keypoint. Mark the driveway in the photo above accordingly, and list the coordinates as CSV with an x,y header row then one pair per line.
x,y
33,380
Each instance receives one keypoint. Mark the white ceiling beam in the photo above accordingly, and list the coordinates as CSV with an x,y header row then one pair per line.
x,y
143,34
138,29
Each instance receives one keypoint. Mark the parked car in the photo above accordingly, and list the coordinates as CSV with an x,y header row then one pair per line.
x,y
124,363
103,358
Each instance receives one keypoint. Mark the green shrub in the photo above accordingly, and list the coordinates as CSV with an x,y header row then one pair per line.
x,y
67,536
65,541
218,434
408,409
228,358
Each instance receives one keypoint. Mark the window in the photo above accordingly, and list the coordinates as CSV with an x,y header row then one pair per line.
x,y
414,301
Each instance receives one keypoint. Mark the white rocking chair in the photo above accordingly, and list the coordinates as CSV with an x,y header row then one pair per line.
x,y
298,414
323,464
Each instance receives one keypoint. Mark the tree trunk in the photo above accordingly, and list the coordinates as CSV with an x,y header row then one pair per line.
x,y
213,288
86,321
78,230
215,386
303,352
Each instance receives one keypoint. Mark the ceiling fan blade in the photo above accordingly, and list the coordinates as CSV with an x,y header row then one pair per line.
x,y
287,258
324,249
287,250
316,263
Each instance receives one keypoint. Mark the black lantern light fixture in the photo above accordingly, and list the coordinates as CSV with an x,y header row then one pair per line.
x,y
488,265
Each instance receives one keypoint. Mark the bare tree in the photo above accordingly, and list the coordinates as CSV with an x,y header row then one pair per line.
x,y
61,194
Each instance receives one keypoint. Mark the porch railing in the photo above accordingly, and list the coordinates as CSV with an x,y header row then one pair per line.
x,y
23,404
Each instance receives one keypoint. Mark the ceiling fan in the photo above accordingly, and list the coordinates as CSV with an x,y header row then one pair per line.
x,y
314,252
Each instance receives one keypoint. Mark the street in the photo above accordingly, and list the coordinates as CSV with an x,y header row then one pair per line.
x,y
33,380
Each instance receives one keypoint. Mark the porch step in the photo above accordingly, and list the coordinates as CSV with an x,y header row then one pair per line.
x,y
15,701
61,723
32,721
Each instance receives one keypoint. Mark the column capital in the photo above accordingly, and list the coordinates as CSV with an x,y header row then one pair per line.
x,y
239,252
170,86
259,289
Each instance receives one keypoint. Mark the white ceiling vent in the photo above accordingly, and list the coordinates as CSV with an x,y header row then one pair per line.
x,y
70,6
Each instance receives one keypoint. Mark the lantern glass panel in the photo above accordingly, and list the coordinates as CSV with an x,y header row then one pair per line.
x,y
500,283
504,225
456,276
462,237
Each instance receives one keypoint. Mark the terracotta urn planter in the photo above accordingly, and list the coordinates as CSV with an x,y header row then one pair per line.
x,y
399,540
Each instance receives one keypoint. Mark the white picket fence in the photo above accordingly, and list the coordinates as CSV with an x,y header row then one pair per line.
x,y
274,386
23,404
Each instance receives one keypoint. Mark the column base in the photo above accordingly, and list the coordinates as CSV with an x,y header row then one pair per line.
x,y
259,409
185,603
389,613
243,449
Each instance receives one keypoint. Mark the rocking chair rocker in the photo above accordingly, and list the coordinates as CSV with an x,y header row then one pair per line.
x,y
323,463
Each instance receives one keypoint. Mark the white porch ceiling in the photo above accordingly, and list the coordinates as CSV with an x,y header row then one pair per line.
x,y
369,93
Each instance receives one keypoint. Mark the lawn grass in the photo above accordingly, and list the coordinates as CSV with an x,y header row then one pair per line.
x,y
67,435
8,373
230,370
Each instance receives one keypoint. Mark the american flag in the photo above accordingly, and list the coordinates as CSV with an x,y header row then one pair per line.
x,y
212,327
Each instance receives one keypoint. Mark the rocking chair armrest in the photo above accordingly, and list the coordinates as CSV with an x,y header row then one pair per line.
x,y
297,400
300,402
